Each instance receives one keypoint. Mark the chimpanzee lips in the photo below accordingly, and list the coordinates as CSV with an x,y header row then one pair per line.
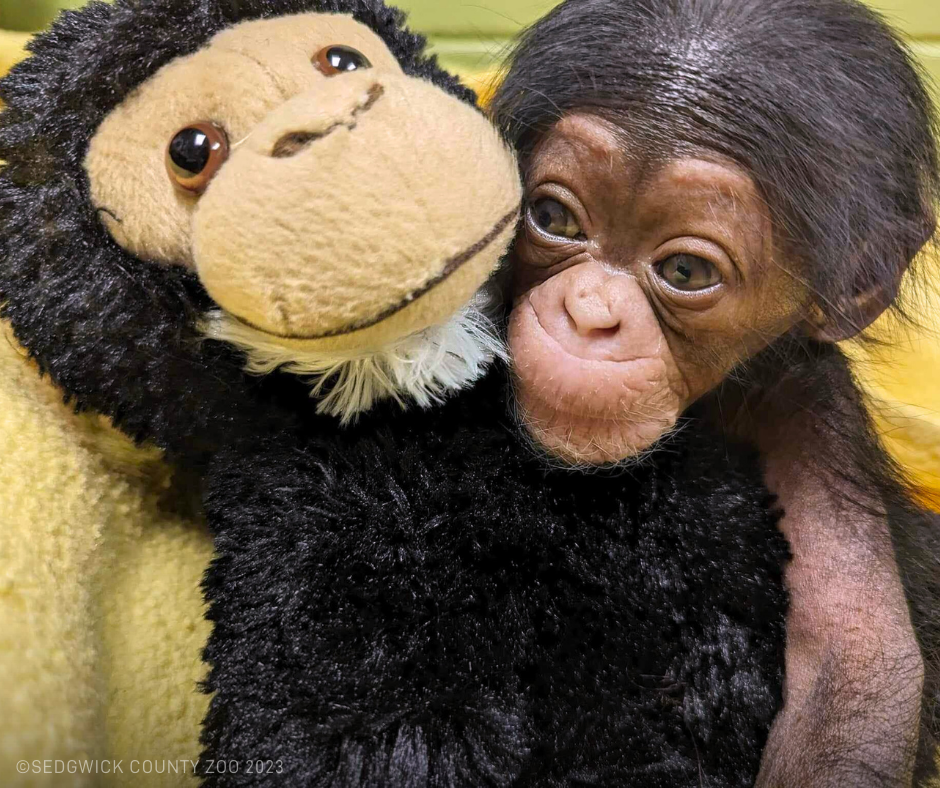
x,y
589,410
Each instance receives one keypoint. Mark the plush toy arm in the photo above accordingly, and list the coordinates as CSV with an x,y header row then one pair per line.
x,y
680,649
348,647
55,511
727,700
101,620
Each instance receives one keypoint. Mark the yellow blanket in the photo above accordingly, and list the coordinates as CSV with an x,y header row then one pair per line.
x,y
902,379
102,614
11,49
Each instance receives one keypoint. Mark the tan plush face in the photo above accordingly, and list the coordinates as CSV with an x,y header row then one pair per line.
x,y
339,208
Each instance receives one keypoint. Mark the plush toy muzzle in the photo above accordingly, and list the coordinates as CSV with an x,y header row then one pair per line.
x,y
366,214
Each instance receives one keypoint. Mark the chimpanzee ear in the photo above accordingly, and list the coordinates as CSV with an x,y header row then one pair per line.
x,y
853,315
879,272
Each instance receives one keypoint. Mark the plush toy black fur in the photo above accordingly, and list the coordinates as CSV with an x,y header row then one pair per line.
x,y
417,600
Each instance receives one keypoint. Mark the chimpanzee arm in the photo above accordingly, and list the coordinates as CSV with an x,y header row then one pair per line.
x,y
854,669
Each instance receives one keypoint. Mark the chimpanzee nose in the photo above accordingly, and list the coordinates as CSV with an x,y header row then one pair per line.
x,y
594,313
308,131
590,310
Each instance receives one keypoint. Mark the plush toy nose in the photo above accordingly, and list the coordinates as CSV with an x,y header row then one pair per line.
x,y
318,126
335,105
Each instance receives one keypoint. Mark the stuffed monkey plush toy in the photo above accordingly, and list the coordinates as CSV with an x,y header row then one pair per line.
x,y
413,598
103,546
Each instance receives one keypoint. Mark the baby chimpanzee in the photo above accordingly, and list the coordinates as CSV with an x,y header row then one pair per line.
x,y
718,191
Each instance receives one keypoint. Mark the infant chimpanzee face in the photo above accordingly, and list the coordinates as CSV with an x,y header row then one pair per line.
x,y
638,286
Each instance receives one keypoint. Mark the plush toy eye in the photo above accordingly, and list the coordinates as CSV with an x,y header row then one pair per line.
x,y
551,217
195,155
337,59
689,272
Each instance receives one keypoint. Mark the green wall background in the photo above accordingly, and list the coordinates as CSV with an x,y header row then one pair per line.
x,y
471,35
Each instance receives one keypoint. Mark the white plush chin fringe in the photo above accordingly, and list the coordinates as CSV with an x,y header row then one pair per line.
x,y
422,368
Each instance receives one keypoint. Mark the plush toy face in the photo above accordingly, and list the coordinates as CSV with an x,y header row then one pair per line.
x,y
296,179
325,200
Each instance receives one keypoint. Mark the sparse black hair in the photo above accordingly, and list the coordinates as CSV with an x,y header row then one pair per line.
x,y
818,100
119,335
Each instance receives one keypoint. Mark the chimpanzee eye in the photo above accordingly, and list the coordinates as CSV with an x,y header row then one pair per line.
x,y
551,217
338,59
195,155
688,272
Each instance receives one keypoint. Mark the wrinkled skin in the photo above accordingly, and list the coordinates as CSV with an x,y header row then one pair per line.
x,y
608,354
